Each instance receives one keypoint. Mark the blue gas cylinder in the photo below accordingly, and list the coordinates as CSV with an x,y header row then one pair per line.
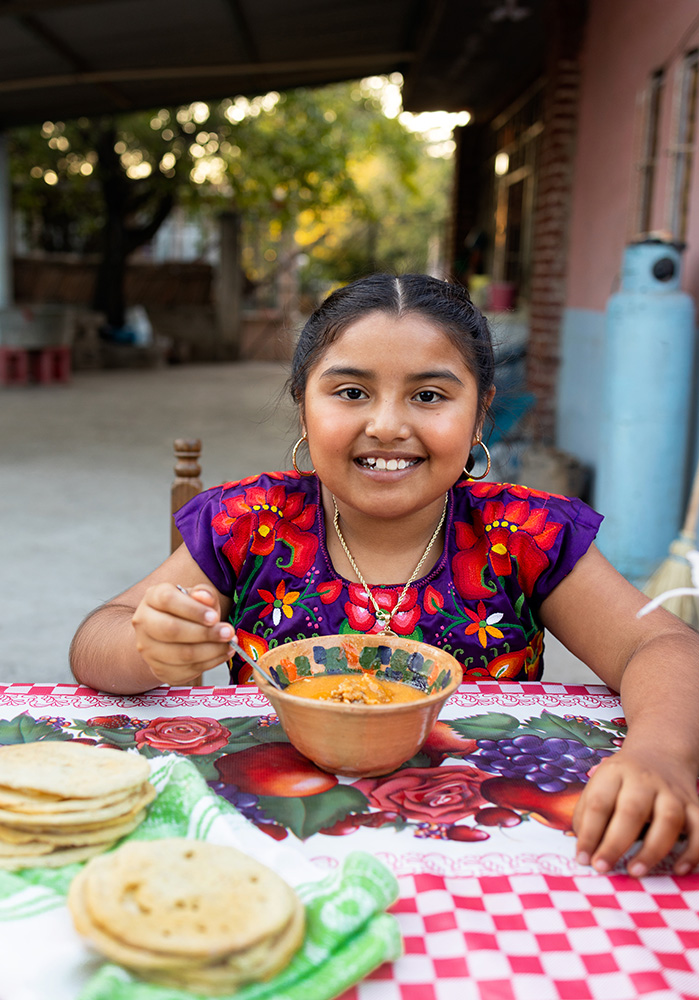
x,y
647,371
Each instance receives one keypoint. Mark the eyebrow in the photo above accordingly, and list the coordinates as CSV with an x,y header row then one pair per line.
x,y
433,374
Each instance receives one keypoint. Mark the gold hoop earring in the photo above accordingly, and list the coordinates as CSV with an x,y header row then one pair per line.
x,y
487,460
301,472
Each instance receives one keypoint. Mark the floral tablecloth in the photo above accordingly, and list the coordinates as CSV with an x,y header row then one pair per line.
x,y
493,904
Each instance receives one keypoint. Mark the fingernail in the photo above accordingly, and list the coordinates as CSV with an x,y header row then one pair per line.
x,y
225,633
583,858
637,869
601,866
683,868
210,617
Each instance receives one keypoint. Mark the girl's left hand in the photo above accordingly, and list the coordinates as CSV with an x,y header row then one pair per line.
x,y
638,788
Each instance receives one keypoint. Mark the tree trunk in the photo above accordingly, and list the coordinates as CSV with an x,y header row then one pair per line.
x,y
122,199
109,297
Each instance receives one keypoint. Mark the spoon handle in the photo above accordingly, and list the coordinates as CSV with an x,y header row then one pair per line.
x,y
236,648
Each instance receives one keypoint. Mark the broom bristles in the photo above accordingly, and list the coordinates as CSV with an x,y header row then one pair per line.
x,y
674,572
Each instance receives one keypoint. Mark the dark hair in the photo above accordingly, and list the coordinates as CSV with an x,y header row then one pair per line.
x,y
447,305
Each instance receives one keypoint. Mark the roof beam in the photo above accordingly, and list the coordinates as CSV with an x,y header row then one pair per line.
x,y
347,65
57,44
14,8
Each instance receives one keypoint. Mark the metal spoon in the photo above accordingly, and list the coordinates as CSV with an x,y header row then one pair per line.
x,y
236,648
233,645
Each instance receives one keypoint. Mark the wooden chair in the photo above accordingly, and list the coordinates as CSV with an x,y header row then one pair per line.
x,y
187,482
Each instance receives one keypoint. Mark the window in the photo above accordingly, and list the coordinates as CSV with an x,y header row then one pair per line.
x,y
647,158
515,147
682,149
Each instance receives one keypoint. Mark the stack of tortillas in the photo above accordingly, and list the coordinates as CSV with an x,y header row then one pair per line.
x,y
188,913
64,801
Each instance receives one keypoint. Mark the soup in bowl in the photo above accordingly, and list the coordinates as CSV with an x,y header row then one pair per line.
x,y
358,705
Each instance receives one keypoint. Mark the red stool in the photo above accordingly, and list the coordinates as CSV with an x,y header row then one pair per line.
x,y
51,364
14,366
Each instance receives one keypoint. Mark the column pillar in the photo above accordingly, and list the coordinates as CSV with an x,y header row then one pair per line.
x,y
6,296
228,289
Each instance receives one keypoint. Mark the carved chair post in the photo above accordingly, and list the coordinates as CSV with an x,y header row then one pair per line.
x,y
187,482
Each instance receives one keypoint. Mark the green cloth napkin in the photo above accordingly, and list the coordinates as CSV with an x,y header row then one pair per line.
x,y
348,933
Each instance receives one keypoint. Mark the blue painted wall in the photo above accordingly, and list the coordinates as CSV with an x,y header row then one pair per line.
x,y
580,383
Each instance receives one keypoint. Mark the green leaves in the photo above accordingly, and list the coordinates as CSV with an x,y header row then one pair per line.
x,y
547,725
498,725
306,816
491,726
24,729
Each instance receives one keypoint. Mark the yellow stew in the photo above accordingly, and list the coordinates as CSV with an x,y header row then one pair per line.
x,y
362,689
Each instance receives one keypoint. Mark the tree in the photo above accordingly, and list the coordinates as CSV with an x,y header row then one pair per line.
x,y
326,162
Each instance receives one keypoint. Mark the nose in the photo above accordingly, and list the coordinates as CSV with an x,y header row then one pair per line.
x,y
387,421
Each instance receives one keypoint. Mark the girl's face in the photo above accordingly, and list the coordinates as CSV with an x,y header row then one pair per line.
x,y
390,411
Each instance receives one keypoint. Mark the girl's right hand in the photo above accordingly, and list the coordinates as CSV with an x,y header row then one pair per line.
x,y
180,634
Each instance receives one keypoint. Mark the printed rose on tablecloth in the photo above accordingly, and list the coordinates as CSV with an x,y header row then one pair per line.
x,y
433,794
185,734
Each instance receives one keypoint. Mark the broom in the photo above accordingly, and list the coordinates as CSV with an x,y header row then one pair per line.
x,y
675,572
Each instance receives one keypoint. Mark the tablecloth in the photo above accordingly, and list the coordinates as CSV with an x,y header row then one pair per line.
x,y
507,915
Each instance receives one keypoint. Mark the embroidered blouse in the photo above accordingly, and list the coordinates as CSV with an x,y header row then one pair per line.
x,y
261,541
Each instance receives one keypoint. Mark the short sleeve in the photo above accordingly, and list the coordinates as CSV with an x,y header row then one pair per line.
x,y
196,522
522,539
575,526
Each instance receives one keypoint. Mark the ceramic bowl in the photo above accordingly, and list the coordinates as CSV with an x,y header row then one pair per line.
x,y
355,739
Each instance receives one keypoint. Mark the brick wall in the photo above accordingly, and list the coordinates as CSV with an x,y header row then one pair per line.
x,y
552,212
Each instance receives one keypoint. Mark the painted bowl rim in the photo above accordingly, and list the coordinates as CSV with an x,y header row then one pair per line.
x,y
399,707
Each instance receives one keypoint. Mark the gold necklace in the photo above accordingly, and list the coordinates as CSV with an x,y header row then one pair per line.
x,y
382,616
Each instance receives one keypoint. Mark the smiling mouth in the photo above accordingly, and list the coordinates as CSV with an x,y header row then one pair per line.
x,y
388,464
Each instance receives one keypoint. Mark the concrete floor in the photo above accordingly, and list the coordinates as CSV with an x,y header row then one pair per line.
x,y
85,472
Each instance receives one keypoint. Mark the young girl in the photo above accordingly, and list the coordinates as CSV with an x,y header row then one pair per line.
x,y
384,530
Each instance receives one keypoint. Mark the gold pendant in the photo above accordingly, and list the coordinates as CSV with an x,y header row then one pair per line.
x,y
384,619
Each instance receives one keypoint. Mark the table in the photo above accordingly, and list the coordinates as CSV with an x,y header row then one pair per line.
x,y
487,912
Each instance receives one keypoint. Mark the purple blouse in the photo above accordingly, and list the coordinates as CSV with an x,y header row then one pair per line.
x,y
262,542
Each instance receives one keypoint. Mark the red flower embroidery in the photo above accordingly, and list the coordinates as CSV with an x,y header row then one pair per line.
x,y
509,666
483,625
254,646
523,492
258,519
330,591
362,617
280,603
501,532
254,478
432,600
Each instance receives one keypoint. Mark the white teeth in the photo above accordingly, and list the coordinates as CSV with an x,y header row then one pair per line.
x,y
388,464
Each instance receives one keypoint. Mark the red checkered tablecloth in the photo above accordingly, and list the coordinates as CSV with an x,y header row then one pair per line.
x,y
543,937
